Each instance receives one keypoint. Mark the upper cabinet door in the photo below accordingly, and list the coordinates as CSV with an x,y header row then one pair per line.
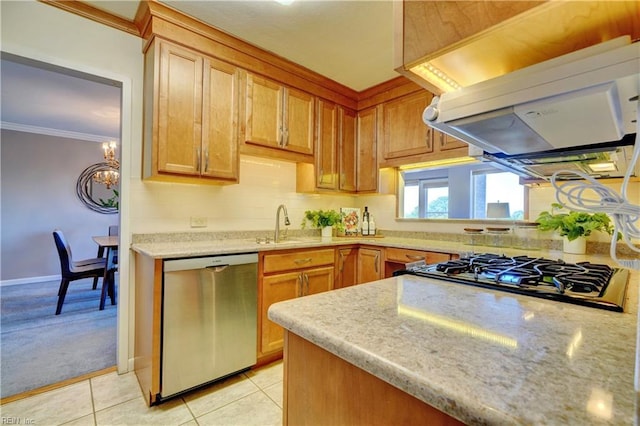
x,y
326,155
405,134
299,117
220,121
367,166
264,112
179,110
347,152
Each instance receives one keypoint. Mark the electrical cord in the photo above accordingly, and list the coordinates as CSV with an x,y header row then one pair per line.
x,y
591,196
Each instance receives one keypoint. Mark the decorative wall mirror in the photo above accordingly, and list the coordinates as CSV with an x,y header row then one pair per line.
x,y
97,196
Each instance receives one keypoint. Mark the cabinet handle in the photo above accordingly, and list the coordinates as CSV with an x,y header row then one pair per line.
x,y
301,261
306,280
377,262
198,159
414,257
300,284
281,137
206,160
286,137
341,262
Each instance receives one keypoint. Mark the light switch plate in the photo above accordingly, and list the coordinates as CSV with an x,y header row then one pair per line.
x,y
198,222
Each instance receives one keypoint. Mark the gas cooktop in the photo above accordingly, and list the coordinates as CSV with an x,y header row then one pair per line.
x,y
582,283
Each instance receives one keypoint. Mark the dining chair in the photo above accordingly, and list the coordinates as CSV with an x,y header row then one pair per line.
x,y
113,230
74,270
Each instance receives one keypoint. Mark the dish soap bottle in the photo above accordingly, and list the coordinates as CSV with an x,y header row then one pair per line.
x,y
365,221
372,225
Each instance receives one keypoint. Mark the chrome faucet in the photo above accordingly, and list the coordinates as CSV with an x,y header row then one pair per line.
x,y
282,207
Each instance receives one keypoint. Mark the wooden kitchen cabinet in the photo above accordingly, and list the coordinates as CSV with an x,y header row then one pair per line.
x,y
407,139
326,160
346,267
336,158
369,265
287,275
278,117
405,134
191,120
323,389
347,150
367,140
397,258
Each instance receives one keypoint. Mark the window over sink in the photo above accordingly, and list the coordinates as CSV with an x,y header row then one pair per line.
x,y
459,192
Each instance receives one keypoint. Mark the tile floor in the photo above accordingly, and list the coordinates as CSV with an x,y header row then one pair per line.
x,y
251,398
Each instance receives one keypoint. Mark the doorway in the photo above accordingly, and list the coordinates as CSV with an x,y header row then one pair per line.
x,y
54,120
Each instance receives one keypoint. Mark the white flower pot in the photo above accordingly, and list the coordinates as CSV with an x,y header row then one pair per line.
x,y
327,232
577,246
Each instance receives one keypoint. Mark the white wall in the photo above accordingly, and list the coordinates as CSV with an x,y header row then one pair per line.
x,y
38,187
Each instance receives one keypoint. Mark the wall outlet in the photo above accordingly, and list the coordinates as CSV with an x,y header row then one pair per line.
x,y
198,222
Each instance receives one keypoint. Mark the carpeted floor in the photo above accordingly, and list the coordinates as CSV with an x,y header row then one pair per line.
x,y
38,348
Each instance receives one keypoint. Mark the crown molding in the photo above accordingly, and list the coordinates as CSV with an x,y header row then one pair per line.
x,y
5,125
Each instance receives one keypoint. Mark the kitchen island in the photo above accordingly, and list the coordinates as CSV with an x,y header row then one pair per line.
x,y
477,355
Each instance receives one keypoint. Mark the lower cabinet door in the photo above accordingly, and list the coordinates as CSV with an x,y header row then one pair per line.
x,y
276,288
369,265
318,280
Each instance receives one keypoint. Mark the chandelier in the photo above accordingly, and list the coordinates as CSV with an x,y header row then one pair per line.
x,y
111,176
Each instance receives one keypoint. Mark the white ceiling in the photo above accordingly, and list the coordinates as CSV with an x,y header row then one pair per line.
x,y
349,41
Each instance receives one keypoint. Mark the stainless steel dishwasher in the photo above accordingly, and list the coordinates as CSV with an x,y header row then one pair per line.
x,y
209,320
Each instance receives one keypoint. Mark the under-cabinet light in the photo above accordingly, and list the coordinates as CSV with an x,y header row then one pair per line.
x,y
440,163
435,76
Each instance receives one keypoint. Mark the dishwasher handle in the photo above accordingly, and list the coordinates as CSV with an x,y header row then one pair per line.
x,y
217,269
209,262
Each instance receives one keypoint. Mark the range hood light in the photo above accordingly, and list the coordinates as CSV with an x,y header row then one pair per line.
x,y
609,166
440,163
435,76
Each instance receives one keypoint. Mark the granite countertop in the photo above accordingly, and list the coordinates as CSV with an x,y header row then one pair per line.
x,y
175,249
183,246
482,356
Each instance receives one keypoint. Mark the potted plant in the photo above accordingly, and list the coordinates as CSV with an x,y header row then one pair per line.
x,y
326,220
574,226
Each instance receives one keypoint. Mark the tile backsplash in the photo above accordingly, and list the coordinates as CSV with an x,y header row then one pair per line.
x,y
264,185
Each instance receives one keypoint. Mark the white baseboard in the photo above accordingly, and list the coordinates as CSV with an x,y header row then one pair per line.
x,y
29,280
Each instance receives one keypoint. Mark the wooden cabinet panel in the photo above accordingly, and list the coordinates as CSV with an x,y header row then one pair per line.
x,y
264,115
346,267
286,276
444,142
347,151
405,133
220,121
369,265
326,139
179,123
278,262
191,116
367,166
317,280
323,389
397,258
300,114
276,288
278,117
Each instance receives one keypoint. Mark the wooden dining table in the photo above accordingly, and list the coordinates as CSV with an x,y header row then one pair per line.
x,y
110,244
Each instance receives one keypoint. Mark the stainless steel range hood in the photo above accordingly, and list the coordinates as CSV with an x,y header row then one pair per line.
x,y
587,97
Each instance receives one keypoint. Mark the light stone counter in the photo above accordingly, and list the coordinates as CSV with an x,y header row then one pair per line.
x,y
482,356
185,247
